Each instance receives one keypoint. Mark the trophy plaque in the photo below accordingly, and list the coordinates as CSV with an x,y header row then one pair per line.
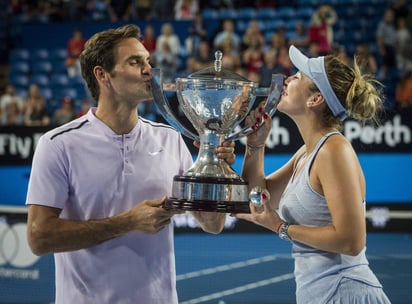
x,y
215,101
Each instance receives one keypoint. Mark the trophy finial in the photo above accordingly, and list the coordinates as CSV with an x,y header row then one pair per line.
x,y
218,61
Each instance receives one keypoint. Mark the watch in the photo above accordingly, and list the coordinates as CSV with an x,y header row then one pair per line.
x,y
283,232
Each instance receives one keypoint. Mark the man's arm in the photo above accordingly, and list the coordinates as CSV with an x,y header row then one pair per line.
x,y
48,233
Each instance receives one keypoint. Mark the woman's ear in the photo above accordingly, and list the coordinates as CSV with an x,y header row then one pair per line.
x,y
315,100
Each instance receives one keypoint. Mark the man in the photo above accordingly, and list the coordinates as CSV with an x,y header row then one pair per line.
x,y
98,184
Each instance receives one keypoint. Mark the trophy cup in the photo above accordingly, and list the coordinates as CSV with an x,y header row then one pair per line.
x,y
215,101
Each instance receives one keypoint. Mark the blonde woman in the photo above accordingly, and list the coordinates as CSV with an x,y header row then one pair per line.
x,y
317,199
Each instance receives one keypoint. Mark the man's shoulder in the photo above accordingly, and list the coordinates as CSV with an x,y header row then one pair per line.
x,y
157,126
68,128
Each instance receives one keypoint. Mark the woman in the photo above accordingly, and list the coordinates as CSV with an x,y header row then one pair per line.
x,y
320,191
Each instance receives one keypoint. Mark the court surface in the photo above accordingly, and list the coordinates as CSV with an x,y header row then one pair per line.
x,y
257,268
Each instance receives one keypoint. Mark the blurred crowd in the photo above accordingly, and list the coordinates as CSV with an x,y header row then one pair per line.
x,y
251,53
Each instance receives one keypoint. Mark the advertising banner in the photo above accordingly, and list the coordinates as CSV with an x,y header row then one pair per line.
x,y
24,277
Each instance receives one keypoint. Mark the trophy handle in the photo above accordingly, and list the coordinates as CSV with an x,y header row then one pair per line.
x,y
163,105
273,97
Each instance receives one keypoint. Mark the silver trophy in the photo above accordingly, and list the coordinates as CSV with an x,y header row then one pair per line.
x,y
215,101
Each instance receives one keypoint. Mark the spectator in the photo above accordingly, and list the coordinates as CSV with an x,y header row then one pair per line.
x,y
120,10
404,90
53,10
277,40
149,38
403,45
64,113
97,10
186,9
167,61
386,39
227,33
339,51
366,60
252,33
12,116
85,107
10,96
75,46
168,35
300,37
197,33
202,60
144,10
36,113
253,56
269,68
230,59
163,10
321,28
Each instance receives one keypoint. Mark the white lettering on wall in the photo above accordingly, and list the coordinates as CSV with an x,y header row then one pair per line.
x,y
391,133
11,144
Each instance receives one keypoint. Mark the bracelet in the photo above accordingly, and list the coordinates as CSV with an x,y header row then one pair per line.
x,y
283,233
252,149
278,227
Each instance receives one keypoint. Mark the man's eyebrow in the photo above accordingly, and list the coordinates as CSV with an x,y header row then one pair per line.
x,y
138,58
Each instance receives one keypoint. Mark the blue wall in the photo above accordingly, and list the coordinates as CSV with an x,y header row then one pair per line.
x,y
388,177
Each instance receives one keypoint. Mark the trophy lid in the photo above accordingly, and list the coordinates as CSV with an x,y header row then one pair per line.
x,y
217,72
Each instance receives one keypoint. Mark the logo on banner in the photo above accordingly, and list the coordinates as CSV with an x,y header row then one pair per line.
x,y
14,248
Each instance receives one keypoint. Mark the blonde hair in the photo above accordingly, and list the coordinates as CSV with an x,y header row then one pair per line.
x,y
360,94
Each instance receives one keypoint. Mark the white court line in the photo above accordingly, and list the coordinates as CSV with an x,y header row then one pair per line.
x,y
227,267
239,289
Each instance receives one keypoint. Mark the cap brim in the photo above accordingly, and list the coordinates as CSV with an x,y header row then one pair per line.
x,y
300,61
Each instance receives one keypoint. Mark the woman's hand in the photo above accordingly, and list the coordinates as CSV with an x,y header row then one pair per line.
x,y
254,120
263,216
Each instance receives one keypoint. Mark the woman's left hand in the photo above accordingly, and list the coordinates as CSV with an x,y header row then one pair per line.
x,y
263,216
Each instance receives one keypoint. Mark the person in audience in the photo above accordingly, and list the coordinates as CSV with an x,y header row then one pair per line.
x,y
186,9
253,56
403,45
64,113
404,90
386,40
168,35
196,34
98,185
365,59
300,37
269,68
316,200
230,56
202,60
36,113
252,33
12,116
321,28
75,46
149,38
10,96
84,108
167,61
227,33
120,10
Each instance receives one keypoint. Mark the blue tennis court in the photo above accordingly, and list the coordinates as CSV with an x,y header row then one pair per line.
x,y
257,268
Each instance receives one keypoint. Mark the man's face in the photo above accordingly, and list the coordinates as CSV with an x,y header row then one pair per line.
x,y
130,77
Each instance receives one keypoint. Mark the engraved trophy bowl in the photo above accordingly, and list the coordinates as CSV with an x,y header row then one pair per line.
x,y
215,101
